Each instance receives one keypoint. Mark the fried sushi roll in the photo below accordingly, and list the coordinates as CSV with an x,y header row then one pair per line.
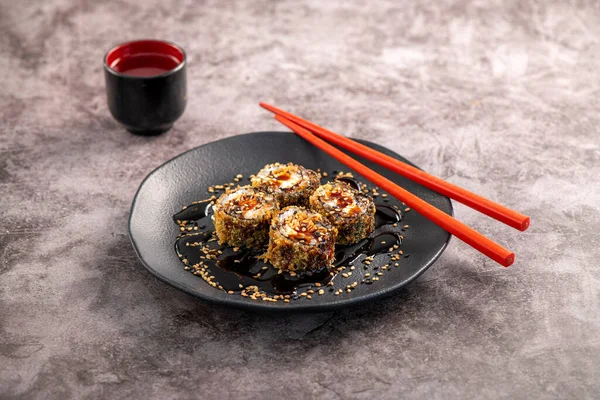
x,y
301,240
291,184
242,217
351,212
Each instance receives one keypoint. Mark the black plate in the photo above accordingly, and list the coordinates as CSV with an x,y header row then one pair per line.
x,y
185,179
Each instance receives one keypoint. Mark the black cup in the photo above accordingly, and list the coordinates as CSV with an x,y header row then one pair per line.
x,y
146,85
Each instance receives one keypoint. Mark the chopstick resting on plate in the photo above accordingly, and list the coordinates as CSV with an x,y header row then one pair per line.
x,y
448,223
481,204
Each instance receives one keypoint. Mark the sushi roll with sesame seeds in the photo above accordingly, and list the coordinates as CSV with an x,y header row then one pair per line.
x,y
300,240
351,212
291,184
242,217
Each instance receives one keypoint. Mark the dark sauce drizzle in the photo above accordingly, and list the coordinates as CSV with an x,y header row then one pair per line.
x,y
243,267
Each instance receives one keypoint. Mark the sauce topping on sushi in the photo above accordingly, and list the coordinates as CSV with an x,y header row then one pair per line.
x,y
301,226
342,199
279,176
245,203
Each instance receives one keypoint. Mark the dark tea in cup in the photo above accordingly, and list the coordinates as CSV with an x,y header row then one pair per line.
x,y
146,85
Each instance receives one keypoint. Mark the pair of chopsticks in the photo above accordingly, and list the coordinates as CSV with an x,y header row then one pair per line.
x,y
315,134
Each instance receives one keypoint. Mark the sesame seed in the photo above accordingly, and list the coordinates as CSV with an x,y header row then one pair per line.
x,y
375,278
348,290
304,294
310,291
286,300
396,265
345,275
309,297
352,268
384,195
405,226
324,173
321,292
230,292
317,284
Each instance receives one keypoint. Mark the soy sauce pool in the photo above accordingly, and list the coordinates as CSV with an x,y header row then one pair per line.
x,y
233,269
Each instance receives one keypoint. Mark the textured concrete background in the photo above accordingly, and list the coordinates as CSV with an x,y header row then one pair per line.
x,y
502,97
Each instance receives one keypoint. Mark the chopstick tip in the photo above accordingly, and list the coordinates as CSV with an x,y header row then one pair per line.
x,y
509,260
267,106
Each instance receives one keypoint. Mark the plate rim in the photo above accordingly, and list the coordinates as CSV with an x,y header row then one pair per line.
x,y
264,306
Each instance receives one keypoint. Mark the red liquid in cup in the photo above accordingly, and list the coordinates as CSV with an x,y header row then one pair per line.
x,y
145,64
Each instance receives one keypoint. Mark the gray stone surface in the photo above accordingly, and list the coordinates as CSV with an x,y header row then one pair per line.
x,y
501,97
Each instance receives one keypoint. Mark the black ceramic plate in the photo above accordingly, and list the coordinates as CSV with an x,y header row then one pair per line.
x,y
185,179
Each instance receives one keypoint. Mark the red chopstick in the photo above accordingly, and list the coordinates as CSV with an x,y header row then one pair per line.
x,y
481,204
451,225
